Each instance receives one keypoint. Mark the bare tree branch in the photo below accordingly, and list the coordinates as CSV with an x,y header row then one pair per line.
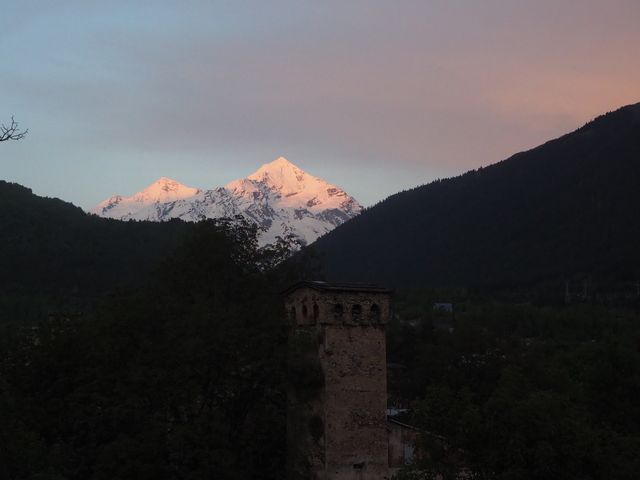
x,y
11,132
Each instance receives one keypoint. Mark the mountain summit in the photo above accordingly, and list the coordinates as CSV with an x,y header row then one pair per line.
x,y
279,197
283,176
162,190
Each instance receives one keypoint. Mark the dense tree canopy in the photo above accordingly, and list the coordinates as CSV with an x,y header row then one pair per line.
x,y
181,378
519,391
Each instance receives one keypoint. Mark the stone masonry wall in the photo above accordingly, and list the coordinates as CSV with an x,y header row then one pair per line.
x,y
340,431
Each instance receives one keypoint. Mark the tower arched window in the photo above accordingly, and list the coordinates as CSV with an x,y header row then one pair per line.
x,y
375,312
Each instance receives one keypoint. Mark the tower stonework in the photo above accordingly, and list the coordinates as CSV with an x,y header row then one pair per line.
x,y
337,399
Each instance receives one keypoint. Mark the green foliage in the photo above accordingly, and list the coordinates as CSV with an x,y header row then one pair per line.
x,y
182,377
519,391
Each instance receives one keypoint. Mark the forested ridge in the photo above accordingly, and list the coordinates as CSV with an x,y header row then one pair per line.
x,y
566,210
51,244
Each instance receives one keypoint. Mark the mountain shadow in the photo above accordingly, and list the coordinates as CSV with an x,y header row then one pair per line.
x,y
565,209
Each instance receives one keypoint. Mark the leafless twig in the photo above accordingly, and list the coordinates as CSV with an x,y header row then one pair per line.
x,y
11,132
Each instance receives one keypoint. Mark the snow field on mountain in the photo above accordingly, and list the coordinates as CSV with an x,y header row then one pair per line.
x,y
279,197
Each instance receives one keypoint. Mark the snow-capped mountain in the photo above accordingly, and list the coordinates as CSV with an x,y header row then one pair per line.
x,y
279,197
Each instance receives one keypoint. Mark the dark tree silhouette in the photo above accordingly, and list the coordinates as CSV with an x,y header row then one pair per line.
x,y
11,132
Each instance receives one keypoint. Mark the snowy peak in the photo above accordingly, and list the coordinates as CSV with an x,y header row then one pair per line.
x,y
279,197
278,167
296,187
161,191
165,190
282,176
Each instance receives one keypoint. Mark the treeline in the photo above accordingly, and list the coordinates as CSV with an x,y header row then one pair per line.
x,y
55,257
518,391
181,377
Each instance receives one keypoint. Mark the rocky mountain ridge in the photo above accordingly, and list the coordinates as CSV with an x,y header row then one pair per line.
x,y
279,197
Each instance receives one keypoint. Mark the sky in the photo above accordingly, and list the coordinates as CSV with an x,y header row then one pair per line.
x,y
374,96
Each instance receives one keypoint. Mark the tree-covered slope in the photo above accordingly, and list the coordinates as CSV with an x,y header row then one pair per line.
x,y
180,377
567,208
53,255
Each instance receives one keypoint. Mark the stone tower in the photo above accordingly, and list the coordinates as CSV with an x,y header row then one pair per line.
x,y
337,399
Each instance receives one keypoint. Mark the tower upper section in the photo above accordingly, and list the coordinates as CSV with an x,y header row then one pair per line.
x,y
314,302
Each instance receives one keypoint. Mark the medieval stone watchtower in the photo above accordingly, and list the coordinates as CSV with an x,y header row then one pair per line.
x,y
336,417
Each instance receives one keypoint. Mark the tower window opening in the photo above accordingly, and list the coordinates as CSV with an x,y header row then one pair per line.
x,y
304,311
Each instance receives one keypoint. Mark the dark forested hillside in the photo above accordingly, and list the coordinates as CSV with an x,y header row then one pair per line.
x,y
566,209
138,349
181,377
48,243
54,255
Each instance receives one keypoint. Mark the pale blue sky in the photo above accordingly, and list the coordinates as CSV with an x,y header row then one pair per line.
x,y
375,96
